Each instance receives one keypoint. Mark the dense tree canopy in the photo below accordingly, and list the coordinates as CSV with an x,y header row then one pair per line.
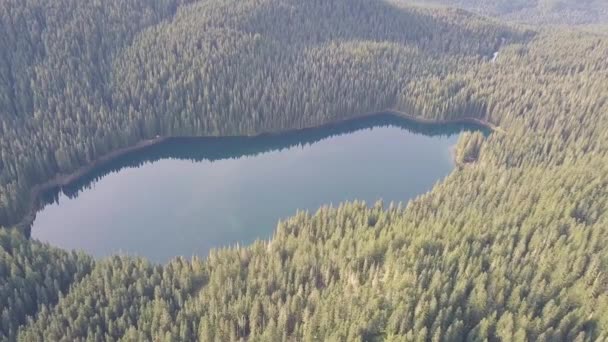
x,y
106,77
511,246
553,12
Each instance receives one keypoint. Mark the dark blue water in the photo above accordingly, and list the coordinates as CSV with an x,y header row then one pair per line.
x,y
187,196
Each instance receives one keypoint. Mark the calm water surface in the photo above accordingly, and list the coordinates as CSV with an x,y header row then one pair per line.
x,y
187,196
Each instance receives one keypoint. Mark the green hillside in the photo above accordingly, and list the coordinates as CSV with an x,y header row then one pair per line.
x,y
510,247
555,12
213,68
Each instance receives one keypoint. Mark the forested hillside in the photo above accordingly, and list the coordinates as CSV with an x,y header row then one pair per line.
x,y
555,12
511,246
213,68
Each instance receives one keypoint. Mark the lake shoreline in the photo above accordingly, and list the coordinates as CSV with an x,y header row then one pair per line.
x,y
64,180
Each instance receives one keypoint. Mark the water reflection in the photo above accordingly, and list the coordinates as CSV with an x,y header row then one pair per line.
x,y
187,195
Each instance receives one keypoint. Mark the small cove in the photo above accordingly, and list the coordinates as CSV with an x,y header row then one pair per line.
x,y
188,195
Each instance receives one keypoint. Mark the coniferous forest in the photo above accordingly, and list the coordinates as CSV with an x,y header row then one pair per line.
x,y
512,246
554,12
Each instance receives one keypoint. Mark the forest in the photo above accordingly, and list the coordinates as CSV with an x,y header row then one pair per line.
x,y
510,247
535,12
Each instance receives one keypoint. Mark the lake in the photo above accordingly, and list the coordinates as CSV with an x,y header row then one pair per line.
x,y
189,195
